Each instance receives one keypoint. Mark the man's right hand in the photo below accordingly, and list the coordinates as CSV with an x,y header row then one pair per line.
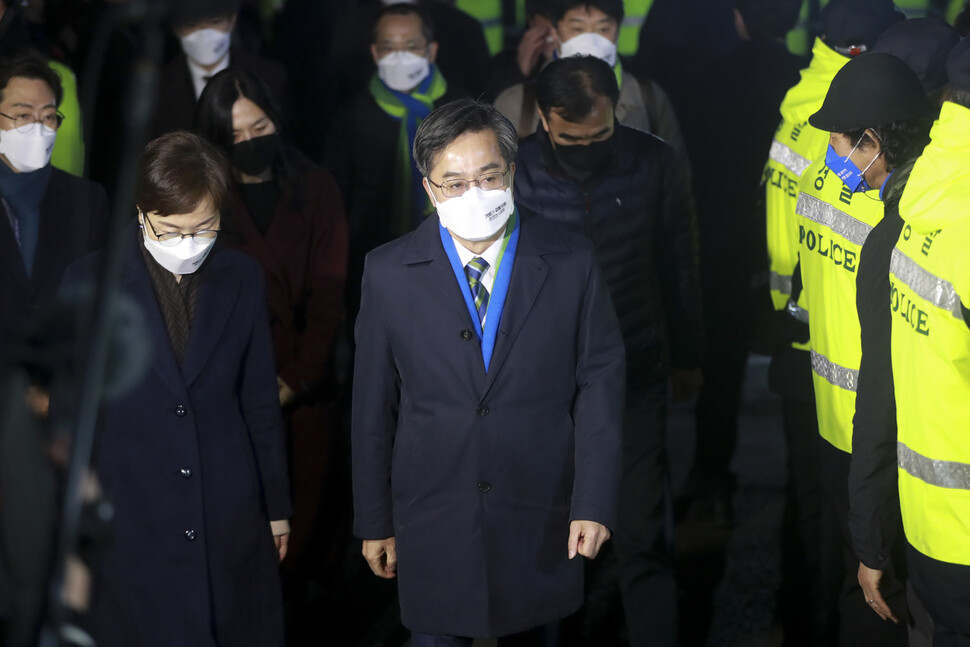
x,y
535,42
381,557
869,579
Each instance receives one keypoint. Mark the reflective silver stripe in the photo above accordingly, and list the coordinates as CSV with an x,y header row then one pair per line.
x,y
839,222
780,282
840,376
948,474
635,21
937,291
797,311
788,158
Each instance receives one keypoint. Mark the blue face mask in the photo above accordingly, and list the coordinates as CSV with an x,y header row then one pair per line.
x,y
846,170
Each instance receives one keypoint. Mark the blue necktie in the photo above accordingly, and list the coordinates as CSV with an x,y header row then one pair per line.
x,y
475,269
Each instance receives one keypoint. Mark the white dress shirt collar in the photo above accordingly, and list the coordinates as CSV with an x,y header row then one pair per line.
x,y
198,73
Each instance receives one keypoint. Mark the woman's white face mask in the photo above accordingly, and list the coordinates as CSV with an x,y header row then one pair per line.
x,y
184,257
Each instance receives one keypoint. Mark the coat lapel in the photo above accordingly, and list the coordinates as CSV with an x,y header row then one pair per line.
x,y
528,276
426,254
139,285
52,239
9,251
217,293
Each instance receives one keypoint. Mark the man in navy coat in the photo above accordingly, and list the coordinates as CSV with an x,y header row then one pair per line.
x,y
488,399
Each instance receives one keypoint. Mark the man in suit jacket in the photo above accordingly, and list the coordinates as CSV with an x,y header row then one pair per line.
x,y
204,29
488,399
49,218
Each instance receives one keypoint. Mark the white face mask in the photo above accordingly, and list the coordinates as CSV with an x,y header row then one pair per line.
x,y
183,258
30,149
403,71
476,215
206,46
590,44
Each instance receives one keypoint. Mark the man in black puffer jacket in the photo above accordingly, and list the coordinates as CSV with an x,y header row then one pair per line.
x,y
618,186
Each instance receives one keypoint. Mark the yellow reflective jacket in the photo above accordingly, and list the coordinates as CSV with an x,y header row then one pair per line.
x,y
833,224
930,293
795,146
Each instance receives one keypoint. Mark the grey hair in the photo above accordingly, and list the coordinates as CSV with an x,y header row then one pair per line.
x,y
452,120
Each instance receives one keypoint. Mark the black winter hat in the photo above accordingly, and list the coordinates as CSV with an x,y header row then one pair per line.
x,y
958,66
858,22
872,89
923,44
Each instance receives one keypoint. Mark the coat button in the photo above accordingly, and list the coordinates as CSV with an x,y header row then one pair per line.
x,y
482,410
190,535
180,410
186,472
484,486
466,334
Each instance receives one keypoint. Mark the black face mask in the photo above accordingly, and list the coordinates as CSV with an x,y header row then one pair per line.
x,y
581,161
254,156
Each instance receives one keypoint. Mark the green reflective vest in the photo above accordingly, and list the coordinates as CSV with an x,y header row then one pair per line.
x,y
489,14
795,146
833,224
930,288
634,15
68,152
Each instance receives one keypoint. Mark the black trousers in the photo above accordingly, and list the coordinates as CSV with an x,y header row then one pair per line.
x,y
801,609
643,536
851,618
944,589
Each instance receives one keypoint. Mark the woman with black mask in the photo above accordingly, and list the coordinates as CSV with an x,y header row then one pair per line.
x,y
287,213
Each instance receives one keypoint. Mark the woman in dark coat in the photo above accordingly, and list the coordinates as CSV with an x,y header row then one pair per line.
x,y
191,453
288,215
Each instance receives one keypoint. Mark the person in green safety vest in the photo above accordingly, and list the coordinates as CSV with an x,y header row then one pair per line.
x,y
877,114
929,297
849,26
489,14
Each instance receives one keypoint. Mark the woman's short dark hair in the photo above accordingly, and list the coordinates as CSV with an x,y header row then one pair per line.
x,y
612,8
570,86
955,95
178,172
900,141
30,66
452,120
213,118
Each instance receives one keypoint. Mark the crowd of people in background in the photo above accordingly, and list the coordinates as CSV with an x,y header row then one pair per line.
x,y
642,194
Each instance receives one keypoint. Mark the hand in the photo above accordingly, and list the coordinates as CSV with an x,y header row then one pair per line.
x,y
281,541
686,383
381,557
39,401
869,579
535,41
586,538
287,395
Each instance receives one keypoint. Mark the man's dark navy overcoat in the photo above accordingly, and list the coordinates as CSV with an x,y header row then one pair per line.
x,y
477,475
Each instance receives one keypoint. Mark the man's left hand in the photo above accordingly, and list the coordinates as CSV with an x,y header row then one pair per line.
x,y
586,538
281,541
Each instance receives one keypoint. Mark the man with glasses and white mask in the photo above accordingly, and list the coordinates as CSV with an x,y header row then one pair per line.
x,y
50,218
369,146
488,400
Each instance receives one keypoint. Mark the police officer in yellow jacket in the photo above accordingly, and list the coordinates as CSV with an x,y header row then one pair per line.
x,y
929,297
876,111
850,27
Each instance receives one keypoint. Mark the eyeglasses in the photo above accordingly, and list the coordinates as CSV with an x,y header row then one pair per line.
x,y
173,238
25,120
414,47
485,182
